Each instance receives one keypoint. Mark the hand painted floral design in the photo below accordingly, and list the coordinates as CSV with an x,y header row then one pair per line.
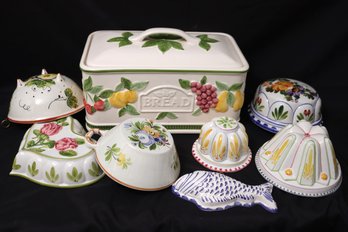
x,y
115,153
258,104
291,90
43,141
147,135
51,128
305,115
122,40
121,97
227,122
205,41
279,113
39,82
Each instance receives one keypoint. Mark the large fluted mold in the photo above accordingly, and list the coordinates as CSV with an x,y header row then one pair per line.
x,y
300,159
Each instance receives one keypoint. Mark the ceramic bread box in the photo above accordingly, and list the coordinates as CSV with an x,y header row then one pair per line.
x,y
181,79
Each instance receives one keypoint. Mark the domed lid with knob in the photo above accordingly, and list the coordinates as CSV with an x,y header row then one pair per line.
x,y
280,102
222,145
44,98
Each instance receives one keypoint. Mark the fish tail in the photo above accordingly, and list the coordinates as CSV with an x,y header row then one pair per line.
x,y
265,198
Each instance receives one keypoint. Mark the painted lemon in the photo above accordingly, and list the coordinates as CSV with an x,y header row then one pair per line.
x,y
119,99
239,100
222,104
132,96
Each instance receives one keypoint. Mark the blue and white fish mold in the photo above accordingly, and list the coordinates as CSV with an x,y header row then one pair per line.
x,y
212,191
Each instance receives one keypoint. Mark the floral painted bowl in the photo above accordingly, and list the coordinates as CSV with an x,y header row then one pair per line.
x,y
55,154
281,102
138,154
43,98
222,145
300,159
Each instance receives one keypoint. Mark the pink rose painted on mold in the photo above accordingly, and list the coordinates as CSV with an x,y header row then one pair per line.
x,y
66,143
50,129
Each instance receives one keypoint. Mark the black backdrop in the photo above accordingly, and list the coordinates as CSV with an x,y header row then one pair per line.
x,y
304,40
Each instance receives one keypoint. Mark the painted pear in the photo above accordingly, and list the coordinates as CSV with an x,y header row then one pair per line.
x,y
239,100
222,103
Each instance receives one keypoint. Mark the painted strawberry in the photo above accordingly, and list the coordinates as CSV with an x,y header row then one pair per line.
x,y
90,109
99,105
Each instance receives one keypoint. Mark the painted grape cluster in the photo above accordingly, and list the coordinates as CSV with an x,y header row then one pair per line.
x,y
206,96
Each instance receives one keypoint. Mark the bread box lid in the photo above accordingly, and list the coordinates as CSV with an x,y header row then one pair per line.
x,y
162,49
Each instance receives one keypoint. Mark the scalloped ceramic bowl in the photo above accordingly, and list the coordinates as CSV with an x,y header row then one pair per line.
x,y
300,159
44,98
282,102
138,154
55,154
222,145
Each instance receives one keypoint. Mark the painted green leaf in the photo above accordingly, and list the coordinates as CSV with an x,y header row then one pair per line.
x,y
221,86
230,98
124,42
74,176
141,146
197,112
127,83
96,89
72,102
87,84
127,34
119,87
185,84
106,93
36,132
96,98
68,153
61,120
32,169
115,39
107,105
131,110
138,86
176,45
39,83
79,141
204,80
235,87
15,166
164,46
162,115
94,170
50,143
30,143
153,146
52,176
122,112
68,92
38,150
204,45
150,43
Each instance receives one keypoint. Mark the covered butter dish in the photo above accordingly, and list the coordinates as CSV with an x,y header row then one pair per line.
x,y
284,101
222,145
44,98
138,153
182,79
300,159
55,154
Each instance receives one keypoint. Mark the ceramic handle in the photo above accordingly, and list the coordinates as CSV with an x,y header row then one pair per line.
x,y
162,30
88,136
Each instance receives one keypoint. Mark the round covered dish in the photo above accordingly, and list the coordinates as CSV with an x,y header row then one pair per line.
x,y
138,154
55,154
280,102
222,145
44,98
300,159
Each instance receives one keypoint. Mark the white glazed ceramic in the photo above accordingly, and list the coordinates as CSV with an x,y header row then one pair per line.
x,y
222,145
150,73
300,159
213,191
55,154
284,101
138,154
44,98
